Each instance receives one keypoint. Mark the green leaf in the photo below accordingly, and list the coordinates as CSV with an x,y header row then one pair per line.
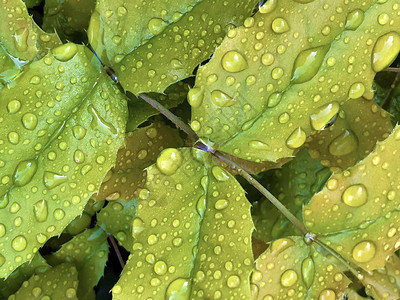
x,y
153,44
59,282
192,237
88,251
141,149
32,3
13,282
293,185
69,18
360,124
291,268
140,111
357,211
281,77
116,219
60,134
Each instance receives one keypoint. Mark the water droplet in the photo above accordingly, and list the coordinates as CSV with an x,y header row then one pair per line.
x,y
364,251
308,63
258,145
24,172
79,132
327,294
234,62
343,144
169,161
19,243
40,210
274,99
267,59
29,121
296,139
51,180
279,25
219,173
65,52
356,90
383,19
79,156
4,200
355,195
385,51
233,281
21,39
221,204
281,245
277,73
35,80
178,289
137,226
59,214
13,137
221,99
99,123
354,19
13,106
201,205
323,115
289,278
308,271
2,230
157,25
160,267
2,260
195,96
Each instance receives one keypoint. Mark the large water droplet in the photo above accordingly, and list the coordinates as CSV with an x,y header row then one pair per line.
x,y
195,96
178,289
100,123
356,90
296,139
169,161
363,252
40,210
79,132
279,25
13,106
234,62
268,6
137,226
355,195
233,281
289,278
343,144
323,115
308,271
354,19
51,180
221,99
29,121
21,39
385,51
19,243
201,205
308,63
281,245
65,52
327,294
160,268
156,25
219,173
24,172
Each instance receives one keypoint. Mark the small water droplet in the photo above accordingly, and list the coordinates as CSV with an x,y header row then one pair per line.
x,y
65,52
385,51
274,99
221,204
267,59
13,106
258,145
355,195
221,99
40,210
169,161
79,132
160,267
364,251
234,62
157,25
219,173
137,226
19,243
356,90
343,144
201,205
233,281
4,200
279,25
24,172
296,139
29,121
289,278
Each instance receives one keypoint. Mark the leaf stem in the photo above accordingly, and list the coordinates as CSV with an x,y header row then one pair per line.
x,y
391,69
115,247
170,116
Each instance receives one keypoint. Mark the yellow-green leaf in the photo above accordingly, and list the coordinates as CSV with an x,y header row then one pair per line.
x,y
278,78
192,238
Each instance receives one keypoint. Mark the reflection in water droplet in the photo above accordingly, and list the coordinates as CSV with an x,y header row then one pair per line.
x,y
24,172
234,62
343,144
308,63
169,161
385,51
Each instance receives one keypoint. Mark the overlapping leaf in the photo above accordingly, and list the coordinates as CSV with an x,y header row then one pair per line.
x,y
357,211
60,134
282,76
116,219
360,124
291,269
192,233
293,185
141,149
59,282
88,251
153,44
